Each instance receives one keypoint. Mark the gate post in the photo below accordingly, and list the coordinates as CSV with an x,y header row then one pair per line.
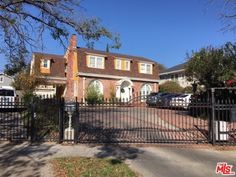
x,y
76,117
61,120
212,127
32,125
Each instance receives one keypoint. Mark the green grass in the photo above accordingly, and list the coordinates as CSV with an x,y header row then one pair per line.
x,y
91,167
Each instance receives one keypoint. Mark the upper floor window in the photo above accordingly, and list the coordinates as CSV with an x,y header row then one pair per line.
x,y
45,63
122,64
146,68
95,62
1,79
118,64
65,67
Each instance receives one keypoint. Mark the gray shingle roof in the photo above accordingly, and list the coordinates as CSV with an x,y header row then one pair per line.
x,y
175,68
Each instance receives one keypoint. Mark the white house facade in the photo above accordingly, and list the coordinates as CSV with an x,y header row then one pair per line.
x,y
5,80
177,74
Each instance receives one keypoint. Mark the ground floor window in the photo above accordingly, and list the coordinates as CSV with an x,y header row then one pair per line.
x,y
98,85
145,89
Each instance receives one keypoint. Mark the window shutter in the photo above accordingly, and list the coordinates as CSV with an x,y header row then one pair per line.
x,y
87,61
122,65
103,63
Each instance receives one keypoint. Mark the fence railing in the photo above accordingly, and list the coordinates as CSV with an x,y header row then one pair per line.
x,y
119,121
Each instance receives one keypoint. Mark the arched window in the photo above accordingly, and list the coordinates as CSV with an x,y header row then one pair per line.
x,y
146,89
97,84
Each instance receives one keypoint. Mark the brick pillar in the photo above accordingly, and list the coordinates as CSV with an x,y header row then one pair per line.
x,y
70,68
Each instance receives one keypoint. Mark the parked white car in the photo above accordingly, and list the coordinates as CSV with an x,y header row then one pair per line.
x,y
7,97
181,101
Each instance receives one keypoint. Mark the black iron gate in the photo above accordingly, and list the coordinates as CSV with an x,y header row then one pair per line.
x,y
211,119
14,121
120,121
36,120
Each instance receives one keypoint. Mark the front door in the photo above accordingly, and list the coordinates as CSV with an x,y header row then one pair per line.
x,y
125,91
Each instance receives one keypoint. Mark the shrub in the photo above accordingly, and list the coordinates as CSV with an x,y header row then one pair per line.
x,y
187,89
29,97
112,94
171,86
93,96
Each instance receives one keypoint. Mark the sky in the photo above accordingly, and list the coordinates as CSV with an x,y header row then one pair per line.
x,y
162,30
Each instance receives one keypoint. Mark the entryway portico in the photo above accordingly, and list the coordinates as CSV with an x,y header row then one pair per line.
x,y
124,89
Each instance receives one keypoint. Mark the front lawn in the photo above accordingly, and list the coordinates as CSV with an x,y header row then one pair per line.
x,y
90,167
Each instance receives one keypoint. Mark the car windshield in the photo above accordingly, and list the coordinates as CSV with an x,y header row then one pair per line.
x,y
153,94
182,96
6,93
164,94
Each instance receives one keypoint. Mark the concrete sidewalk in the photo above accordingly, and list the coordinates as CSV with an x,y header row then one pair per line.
x,y
33,160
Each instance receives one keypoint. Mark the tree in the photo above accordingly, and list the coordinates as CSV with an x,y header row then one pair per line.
x,y
16,61
228,14
93,96
161,67
171,87
23,23
26,82
212,67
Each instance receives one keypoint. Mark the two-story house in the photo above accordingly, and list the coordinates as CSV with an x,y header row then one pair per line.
x,y
51,68
177,74
5,80
123,75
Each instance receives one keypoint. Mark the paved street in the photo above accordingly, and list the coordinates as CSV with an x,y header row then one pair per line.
x,y
24,160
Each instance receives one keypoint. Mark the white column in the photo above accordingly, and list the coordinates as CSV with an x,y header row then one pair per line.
x,y
84,79
118,94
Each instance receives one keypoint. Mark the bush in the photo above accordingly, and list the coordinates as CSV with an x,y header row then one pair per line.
x,y
112,94
93,96
29,97
187,89
171,86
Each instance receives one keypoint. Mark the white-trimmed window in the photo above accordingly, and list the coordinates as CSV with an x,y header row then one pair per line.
x,y
146,68
1,79
127,65
146,89
95,62
118,64
45,63
98,85
122,64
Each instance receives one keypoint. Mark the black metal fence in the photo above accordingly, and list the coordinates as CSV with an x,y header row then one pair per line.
x,y
36,120
135,122
211,119
14,120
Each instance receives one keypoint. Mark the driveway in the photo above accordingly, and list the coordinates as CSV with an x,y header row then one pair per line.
x,y
139,124
160,161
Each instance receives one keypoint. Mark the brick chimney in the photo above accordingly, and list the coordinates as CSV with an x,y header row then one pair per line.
x,y
73,42
71,68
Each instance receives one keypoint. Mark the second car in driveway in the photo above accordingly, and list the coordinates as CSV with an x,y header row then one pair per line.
x,y
153,98
182,101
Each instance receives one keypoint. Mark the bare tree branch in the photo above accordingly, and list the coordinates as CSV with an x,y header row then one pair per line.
x,y
23,23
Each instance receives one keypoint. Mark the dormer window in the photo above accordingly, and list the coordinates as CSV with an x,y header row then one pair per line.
x,y
122,64
145,68
45,63
95,62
